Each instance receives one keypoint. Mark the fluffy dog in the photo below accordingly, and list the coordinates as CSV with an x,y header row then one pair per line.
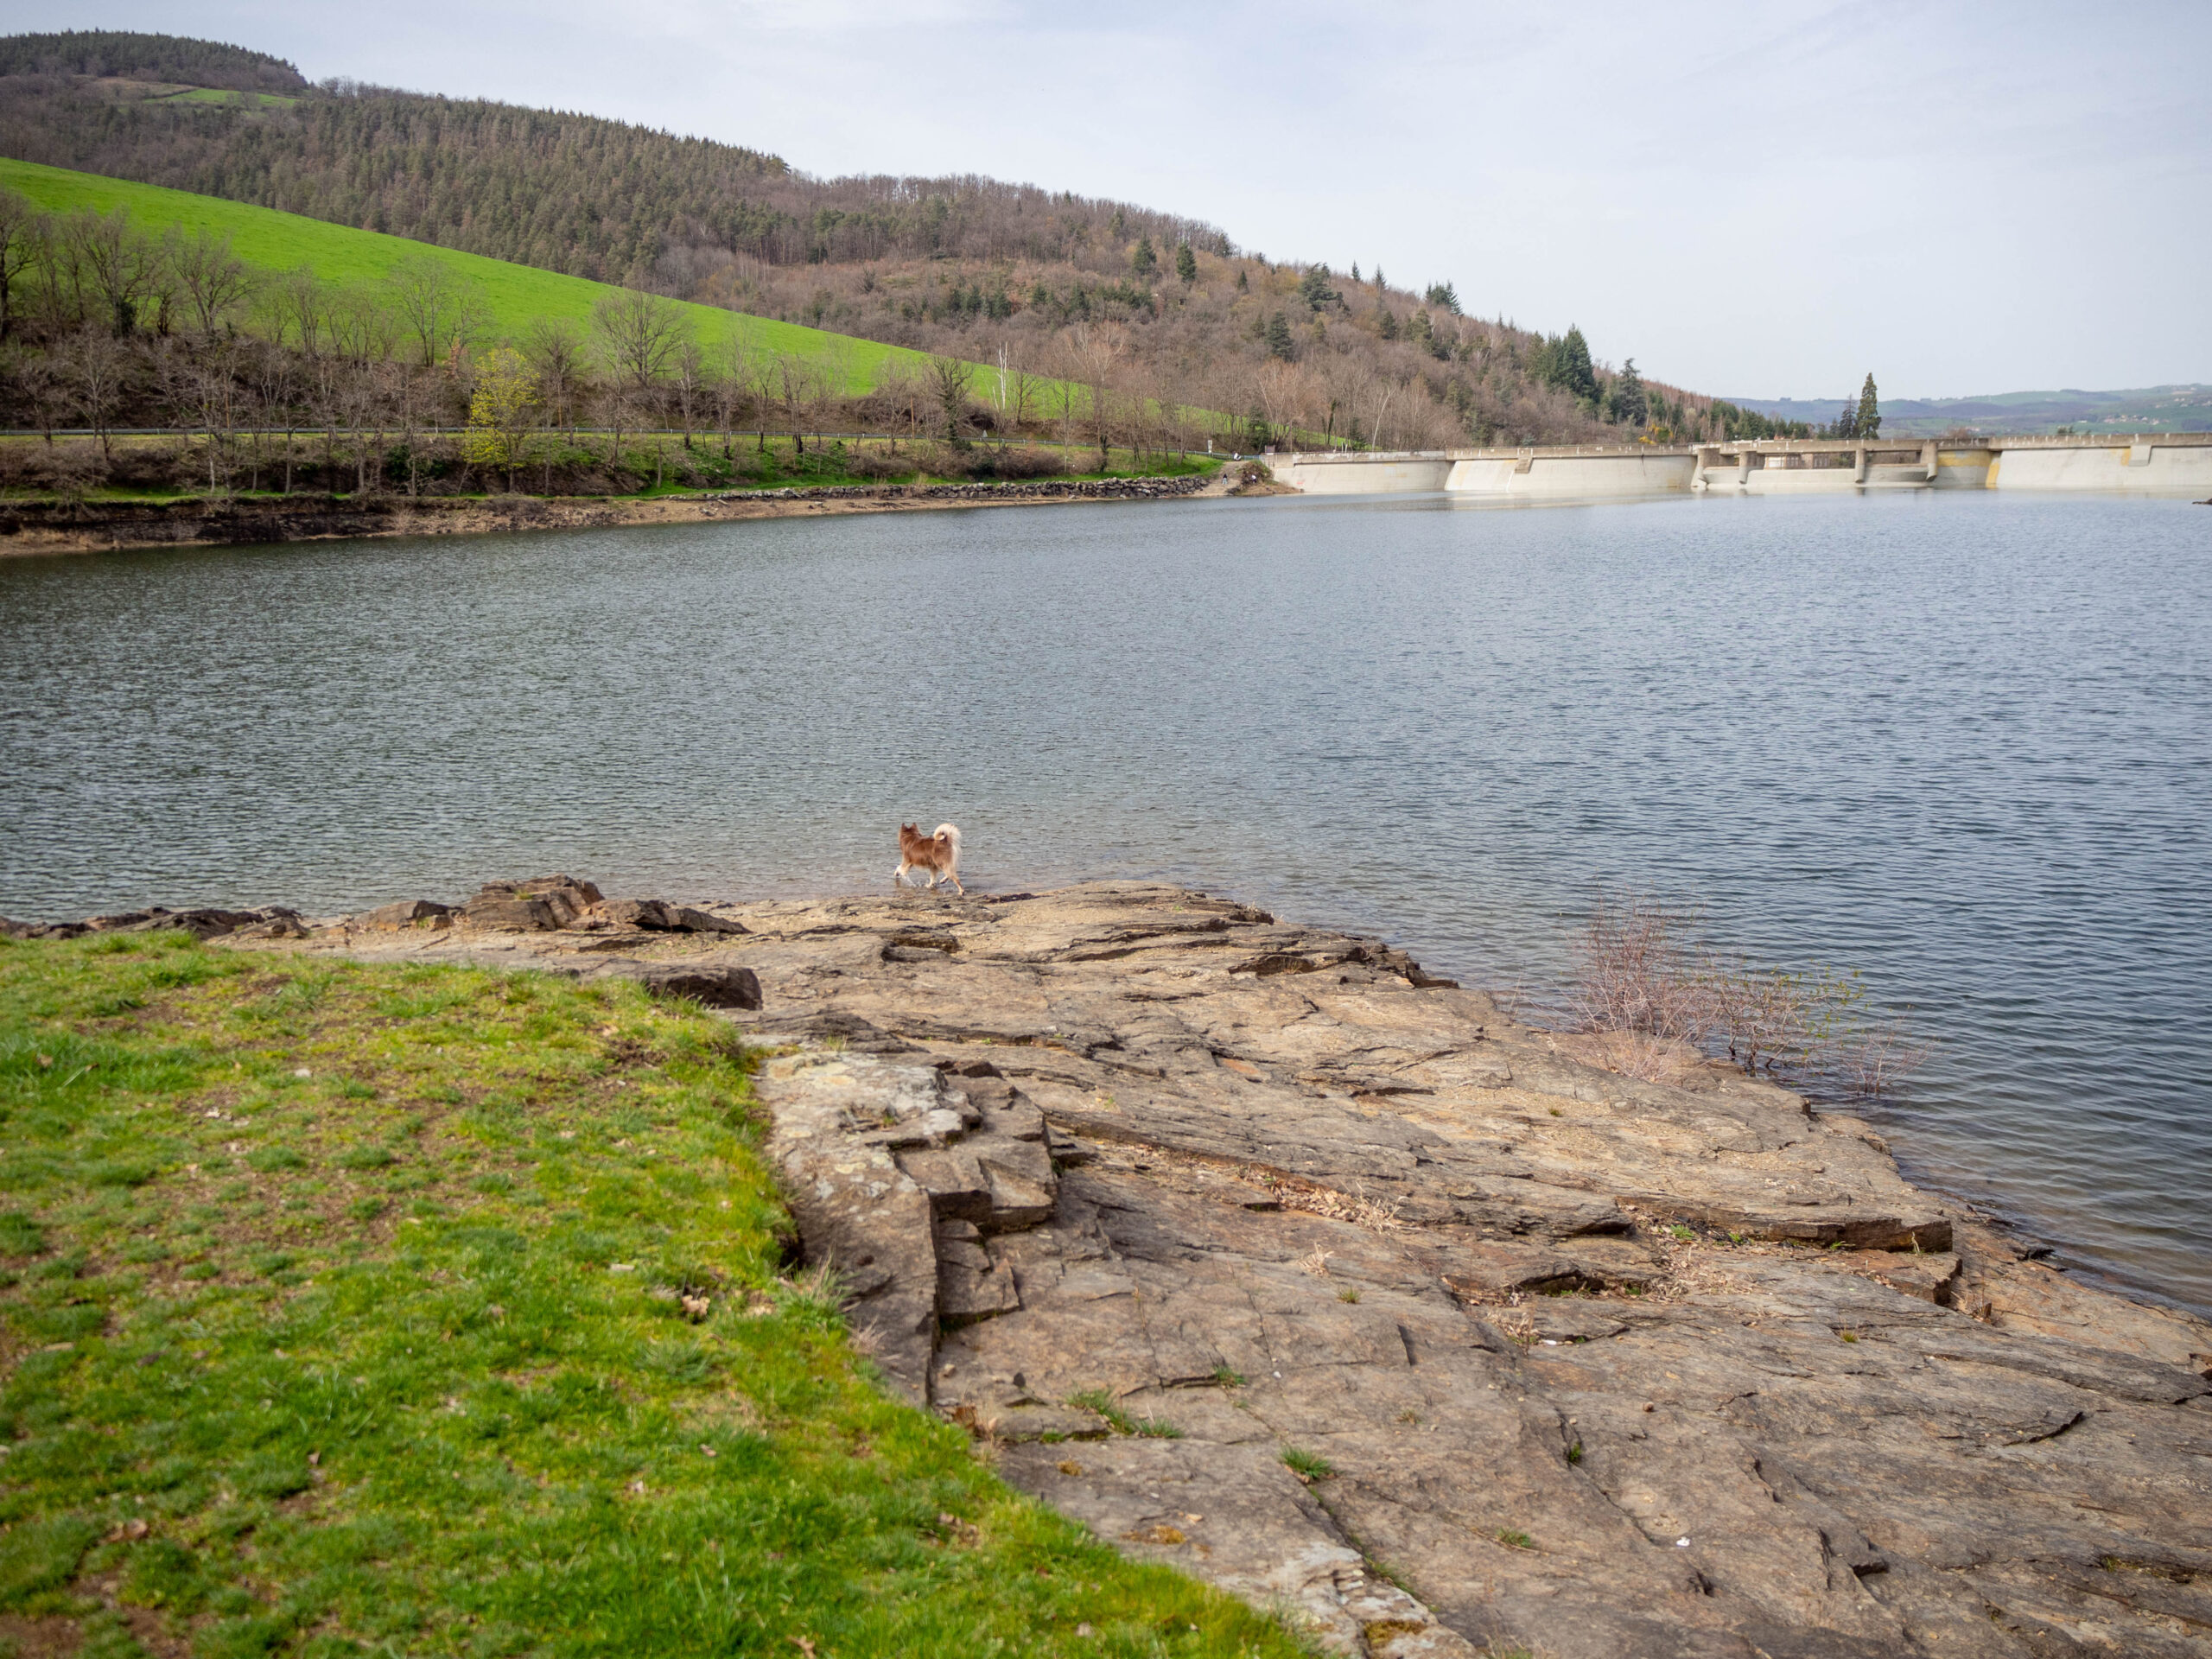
x,y
935,855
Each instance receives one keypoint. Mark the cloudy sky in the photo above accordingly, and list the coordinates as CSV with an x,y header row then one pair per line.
x,y
1762,199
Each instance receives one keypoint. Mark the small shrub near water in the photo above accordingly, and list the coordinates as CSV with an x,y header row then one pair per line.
x,y
1641,974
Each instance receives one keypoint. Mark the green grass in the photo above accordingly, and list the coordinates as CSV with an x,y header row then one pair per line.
x,y
477,1339
1148,1428
1307,1465
515,296
250,100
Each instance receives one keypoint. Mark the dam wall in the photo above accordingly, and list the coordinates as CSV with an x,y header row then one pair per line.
x,y
2147,467
1365,474
1572,476
2177,463
1562,474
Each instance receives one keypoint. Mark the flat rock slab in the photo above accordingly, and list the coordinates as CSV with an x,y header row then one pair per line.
x,y
1266,1254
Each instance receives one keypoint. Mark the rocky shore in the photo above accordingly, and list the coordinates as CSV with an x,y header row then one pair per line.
x,y
49,527
1267,1253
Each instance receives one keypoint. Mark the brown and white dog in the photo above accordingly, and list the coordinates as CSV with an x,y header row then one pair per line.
x,y
938,854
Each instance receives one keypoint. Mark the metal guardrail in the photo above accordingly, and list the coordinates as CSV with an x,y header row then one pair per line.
x,y
1902,445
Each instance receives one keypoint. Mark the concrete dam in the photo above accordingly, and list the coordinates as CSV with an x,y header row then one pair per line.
x,y
2158,463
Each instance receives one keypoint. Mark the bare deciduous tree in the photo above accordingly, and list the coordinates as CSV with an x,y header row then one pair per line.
x,y
1024,391
95,365
211,280
639,335
1095,357
437,307
732,382
362,326
556,351
296,303
208,384
691,375
24,235
120,262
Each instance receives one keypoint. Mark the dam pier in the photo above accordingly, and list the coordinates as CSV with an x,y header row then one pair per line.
x,y
2156,463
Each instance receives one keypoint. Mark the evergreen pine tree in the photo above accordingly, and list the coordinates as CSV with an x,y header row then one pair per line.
x,y
1846,421
1186,263
1386,322
1630,406
1573,367
1279,340
1313,287
1355,271
1870,410
1244,281
1144,261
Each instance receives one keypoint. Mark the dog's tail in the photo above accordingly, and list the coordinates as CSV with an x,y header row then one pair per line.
x,y
950,832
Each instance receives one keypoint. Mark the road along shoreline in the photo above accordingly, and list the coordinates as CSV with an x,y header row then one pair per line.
x,y
37,528
1266,1254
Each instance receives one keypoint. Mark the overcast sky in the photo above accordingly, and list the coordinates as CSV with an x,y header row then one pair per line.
x,y
1762,199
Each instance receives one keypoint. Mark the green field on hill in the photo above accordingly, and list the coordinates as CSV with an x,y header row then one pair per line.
x,y
514,295
420,1309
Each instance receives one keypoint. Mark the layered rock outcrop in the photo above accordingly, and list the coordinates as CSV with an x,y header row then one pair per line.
x,y
1268,1255
206,923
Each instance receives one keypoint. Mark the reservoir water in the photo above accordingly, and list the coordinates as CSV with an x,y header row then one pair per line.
x,y
1961,743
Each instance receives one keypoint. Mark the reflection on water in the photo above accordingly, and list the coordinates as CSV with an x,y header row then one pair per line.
x,y
1958,742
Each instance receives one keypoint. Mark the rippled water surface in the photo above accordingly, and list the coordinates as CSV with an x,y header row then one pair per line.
x,y
1960,742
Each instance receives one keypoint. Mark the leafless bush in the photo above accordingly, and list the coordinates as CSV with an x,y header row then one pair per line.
x,y
1874,1060
873,463
1016,463
1774,1021
1638,974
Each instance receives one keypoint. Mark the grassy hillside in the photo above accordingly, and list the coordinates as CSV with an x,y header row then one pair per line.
x,y
436,1311
515,295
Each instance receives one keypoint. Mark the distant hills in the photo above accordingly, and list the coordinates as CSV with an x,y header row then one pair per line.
x,y
1161,307
2148,409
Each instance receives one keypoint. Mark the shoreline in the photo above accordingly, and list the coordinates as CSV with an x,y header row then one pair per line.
x,y
34,529
1439,1323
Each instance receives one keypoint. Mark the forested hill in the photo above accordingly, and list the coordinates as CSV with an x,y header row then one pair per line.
x,y
162,60
1090,289
576,194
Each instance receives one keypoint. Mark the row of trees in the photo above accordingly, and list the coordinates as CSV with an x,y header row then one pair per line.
x,y
107,326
